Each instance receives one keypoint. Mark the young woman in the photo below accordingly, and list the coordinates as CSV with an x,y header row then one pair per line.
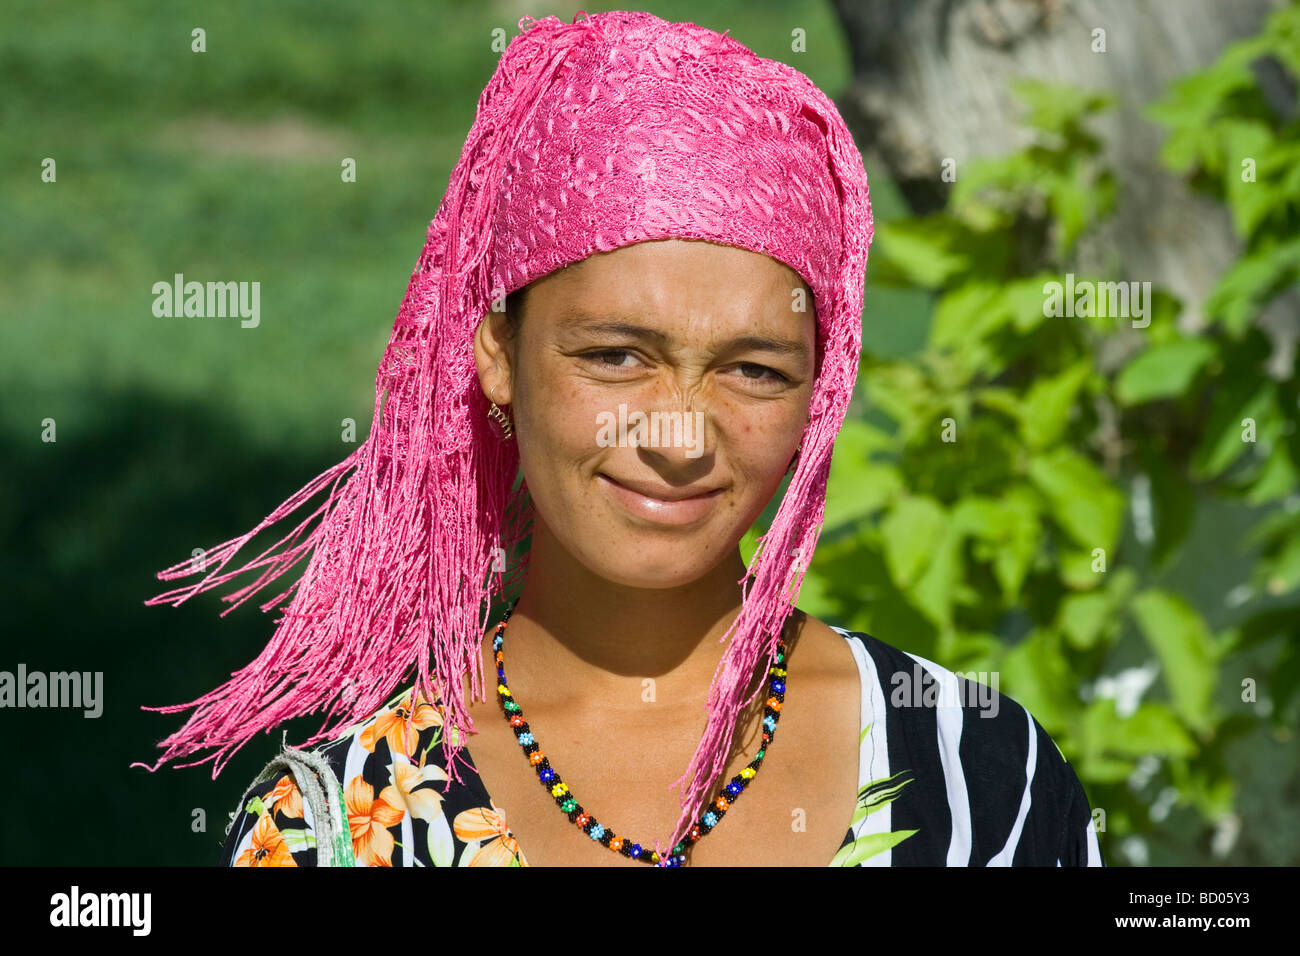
x,y
642,293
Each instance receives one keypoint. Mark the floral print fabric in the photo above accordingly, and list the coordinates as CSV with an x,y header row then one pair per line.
x,y
938,786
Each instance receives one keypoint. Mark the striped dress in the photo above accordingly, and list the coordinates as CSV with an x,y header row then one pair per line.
x,y
950,773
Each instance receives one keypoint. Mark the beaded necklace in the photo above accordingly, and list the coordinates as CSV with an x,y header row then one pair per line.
x,y
569,805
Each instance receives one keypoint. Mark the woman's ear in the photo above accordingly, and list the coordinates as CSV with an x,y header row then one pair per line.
x,y
492,358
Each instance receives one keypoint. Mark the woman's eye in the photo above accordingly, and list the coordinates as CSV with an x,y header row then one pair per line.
x,y
610,357
626,359
759,373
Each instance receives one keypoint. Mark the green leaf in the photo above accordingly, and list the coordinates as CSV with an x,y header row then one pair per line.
x,y
1102,770
1250,202
1056,107
1250,284
867,846
857,486
1277,479
1081,617
901,391
442,849
1262,627
298,840
1163,371
1077,567
911,532
1036,675
749,544
1011,527
1181,640
1151,729
1009,172
967,313
876,795
1238,398
1280,574
1083,501
943,582
1048,405
921,249
1002,400
1192,100
1024,300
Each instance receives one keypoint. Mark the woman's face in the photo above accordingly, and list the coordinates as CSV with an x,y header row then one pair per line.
x,y
657,392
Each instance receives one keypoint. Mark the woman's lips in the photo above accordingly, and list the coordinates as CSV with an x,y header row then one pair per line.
x,y
681,512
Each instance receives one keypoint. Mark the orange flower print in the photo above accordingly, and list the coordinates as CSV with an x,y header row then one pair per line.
x,y
286,798
499,846
426,802
268,847
391,725
369,819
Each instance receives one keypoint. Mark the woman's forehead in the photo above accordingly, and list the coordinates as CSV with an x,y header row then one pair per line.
x,y
674,269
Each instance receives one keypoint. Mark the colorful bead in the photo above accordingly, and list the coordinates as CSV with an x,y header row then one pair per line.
x,y
582,819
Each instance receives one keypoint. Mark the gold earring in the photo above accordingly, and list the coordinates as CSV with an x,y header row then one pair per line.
x,y
506,427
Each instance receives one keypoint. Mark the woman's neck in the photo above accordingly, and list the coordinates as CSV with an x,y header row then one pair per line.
x,y
585,645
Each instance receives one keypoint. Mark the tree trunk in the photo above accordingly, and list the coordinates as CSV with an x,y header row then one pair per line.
x,y
931,80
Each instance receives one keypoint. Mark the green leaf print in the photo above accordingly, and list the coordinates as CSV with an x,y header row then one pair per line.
x,y
877,794
867,846
298,840
872,797
256,807
441,846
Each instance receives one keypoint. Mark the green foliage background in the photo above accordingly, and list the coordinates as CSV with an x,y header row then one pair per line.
x,y
1032,502
976,552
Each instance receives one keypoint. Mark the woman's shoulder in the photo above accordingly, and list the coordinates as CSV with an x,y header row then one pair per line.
x,y
1002,787
383,768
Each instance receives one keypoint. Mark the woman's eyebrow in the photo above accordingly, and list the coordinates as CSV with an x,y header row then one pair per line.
x,y
757,343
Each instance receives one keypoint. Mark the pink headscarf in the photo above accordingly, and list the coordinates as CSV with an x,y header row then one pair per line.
x,y
615,129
